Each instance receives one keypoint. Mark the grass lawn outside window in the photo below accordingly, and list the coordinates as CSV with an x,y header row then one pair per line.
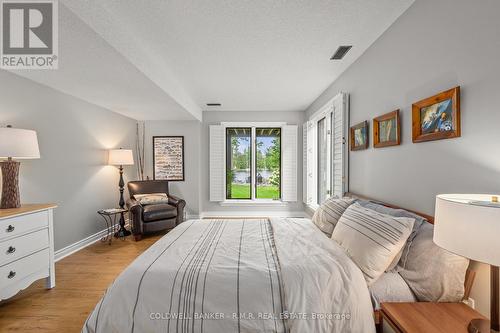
x,y
240,191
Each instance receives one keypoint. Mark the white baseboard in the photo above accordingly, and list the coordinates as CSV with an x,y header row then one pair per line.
x,y
250,213
83,243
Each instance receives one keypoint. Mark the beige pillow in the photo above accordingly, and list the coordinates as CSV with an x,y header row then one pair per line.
x,y
151,198
371,239
329,212
434,274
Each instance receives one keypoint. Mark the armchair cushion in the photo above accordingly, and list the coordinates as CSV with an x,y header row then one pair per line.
x,y
158,212
151,199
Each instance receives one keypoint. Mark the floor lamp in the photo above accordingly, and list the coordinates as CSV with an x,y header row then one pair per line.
x,y
121,157
469,225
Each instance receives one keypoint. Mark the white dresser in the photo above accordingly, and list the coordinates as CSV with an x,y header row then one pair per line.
x,y
26,248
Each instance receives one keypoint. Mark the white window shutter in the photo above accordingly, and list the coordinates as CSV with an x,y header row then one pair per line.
x,y
304,163
340,121
289,162
217,163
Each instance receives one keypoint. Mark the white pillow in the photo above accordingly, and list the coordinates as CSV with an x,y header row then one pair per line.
x,y
371,239
329,212
151,198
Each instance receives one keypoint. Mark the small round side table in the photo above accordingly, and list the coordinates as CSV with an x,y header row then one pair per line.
x,y
111,217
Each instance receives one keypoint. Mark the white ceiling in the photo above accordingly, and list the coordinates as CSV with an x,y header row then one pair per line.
x,y
90,69
256,55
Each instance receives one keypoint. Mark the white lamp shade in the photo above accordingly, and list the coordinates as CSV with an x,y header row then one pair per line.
x,y
468,225
121,157
18,143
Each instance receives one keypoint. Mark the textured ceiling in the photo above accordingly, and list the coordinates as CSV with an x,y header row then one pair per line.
x,y
248,55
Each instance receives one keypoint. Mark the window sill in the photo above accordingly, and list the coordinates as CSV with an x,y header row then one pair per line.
x,y
255,203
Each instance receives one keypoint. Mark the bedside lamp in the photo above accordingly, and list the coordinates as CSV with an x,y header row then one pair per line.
x,y
15,144
469,225
121,157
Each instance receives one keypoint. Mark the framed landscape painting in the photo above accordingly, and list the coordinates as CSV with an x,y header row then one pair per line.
x,y
437,117
387,130
168,158
359,136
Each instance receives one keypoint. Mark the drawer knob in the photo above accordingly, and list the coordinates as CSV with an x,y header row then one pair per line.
x,y
10,228
11,274
11,250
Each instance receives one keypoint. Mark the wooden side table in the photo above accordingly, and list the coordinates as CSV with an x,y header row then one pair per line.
x,y
427,317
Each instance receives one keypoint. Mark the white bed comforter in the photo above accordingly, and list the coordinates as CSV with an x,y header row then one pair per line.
x,y
216,276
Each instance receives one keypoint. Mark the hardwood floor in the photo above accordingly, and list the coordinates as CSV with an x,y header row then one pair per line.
x,y
81,280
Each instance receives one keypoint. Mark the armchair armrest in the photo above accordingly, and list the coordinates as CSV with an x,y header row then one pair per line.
x,y
179,204
135,209
175,201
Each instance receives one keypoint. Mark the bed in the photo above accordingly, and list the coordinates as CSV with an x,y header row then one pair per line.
x,y
240,275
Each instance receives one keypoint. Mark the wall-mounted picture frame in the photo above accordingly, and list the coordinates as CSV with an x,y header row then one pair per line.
x,y
359,136
387,130
437,117
168,158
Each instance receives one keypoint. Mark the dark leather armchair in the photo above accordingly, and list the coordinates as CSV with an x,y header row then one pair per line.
x,y
155,217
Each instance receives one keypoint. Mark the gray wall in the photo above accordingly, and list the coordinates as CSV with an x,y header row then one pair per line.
x,y
73,138
216,117
189,189
433,46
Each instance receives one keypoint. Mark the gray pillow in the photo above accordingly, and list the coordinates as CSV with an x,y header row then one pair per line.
x,y
434,274
419,220
329,212
390,287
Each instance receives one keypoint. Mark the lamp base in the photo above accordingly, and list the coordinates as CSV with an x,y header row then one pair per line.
x,y
10,184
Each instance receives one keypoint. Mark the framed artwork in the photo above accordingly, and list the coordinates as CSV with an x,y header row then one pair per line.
x,y
437,117
168,158
359,136
387,130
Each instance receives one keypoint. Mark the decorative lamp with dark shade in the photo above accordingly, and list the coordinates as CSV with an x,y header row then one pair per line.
x,y
469,225
15,144
121,157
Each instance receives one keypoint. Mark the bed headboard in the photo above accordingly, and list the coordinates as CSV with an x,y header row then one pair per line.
x,y
429,218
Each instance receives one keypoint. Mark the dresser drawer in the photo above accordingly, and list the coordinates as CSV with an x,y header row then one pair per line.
x,y
21,246
20,224
25,268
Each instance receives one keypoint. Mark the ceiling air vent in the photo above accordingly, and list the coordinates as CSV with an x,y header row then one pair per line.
x,y
341,52
214,104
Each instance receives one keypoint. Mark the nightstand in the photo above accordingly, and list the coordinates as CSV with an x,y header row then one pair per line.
x,y
427,317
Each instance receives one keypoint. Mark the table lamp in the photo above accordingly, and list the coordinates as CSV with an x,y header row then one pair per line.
x,y
121,157
15,144
469,225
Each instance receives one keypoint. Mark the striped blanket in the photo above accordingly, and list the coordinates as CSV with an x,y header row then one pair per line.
x,y
255,275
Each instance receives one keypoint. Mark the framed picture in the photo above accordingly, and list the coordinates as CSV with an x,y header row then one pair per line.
x,y
437,117
168,158
387,130
359,136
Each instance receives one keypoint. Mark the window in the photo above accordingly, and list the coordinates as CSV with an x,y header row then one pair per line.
x,y
325,151
238,163
246,179
253,163
323,188
268,163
